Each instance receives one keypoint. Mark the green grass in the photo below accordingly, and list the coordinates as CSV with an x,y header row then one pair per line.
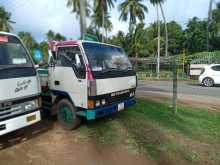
x,y
195,123
151,128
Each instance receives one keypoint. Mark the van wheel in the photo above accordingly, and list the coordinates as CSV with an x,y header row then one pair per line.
x,y
66,114
208,82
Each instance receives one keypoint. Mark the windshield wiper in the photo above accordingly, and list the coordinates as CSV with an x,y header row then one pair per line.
x,y
109,70
127,69
116,69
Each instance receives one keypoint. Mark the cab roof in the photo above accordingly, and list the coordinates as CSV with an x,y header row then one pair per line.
x,y
74,42
8,34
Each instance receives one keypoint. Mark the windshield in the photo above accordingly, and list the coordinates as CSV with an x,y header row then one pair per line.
x,y
103,57
12,52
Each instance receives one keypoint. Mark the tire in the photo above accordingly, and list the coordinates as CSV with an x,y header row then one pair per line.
x,y
208,82
66,114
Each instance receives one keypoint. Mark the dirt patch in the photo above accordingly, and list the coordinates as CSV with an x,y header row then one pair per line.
x,y
196,151
191,100
56,146
150,140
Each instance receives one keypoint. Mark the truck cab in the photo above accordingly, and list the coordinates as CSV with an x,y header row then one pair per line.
x,y
19,86
89,79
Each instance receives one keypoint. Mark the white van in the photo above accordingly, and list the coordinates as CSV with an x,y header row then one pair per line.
x,y
89,79
19,86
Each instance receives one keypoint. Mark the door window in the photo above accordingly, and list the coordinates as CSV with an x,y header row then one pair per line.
x,y
72,57
216,68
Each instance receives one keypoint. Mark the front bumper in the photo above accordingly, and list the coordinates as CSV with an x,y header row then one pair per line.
x,y
96,113
16,123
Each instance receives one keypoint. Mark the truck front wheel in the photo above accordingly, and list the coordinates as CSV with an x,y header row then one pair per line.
x,y
66,114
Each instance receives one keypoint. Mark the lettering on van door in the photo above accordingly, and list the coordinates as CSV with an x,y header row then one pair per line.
x,y
22,85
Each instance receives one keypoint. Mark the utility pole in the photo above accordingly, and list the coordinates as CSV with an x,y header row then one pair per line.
x,y
208,24
166,30
174,99
158,44
83,4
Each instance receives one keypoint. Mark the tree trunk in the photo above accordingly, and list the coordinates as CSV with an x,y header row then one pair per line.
x,y
103,25
83,4
166,30
208,24
158,44
106,34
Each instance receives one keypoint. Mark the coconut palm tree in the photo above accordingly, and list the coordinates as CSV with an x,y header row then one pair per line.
x,y
50,35
5,20
159,3
101,8
137,41
97,23
108,26
132,10
82,9
28,41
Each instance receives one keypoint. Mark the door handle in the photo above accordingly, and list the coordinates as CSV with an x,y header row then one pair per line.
x,y
79,80
57,82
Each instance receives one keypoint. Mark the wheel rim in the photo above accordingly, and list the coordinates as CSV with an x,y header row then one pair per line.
x,y
208,82
66,115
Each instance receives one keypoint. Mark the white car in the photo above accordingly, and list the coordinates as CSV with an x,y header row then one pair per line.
x,y
210,75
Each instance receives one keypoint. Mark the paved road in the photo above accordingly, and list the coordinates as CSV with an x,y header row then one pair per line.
x,y
183,88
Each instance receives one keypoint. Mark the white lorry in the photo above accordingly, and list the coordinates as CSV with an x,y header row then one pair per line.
x,y
88,79
19,86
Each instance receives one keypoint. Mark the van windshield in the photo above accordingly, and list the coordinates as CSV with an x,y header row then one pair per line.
x,y
105,57
12,52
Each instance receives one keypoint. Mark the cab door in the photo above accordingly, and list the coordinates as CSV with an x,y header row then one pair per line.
x,y
68,76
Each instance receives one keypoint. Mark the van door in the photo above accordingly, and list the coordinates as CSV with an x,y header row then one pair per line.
x,y
69,75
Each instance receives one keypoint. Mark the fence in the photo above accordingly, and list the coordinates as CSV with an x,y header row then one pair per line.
x,y
186,66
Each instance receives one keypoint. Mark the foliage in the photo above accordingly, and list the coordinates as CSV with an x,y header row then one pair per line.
x,y
51,35
156,2
132,10
101,17
43,46
141,40
28,41
195,35
75,7
5,20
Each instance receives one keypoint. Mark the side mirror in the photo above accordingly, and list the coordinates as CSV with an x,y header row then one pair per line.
x,y
78,62
42,63
51,60
79,66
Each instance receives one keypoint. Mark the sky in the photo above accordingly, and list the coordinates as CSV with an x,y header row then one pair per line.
x,y
38,16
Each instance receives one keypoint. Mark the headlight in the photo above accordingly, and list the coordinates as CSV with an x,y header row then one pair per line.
x,y
31,105
103,101
97,103
132,94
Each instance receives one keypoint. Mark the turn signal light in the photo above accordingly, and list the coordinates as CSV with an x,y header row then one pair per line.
x,y
90,104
